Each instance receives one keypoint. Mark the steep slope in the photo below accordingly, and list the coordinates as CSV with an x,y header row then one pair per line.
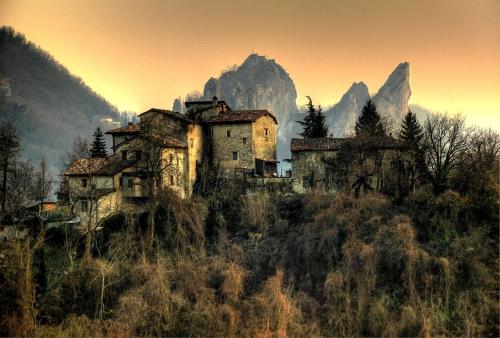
x,y
260,83
341,118
392,98
49,106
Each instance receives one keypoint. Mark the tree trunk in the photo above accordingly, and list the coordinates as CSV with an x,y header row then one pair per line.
x,y
4,186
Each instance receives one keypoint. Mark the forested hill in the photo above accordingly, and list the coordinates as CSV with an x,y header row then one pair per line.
x,y
49,105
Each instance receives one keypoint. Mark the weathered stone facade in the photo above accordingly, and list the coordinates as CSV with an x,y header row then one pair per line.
x,y
327,165
209,133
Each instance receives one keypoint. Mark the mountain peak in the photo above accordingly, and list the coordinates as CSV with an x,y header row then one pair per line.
x,y
392,98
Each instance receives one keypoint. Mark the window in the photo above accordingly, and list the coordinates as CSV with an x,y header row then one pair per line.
x,y
191,142
84,205
228,133
121,181
158,182
171,179
130,183
171,157
244,140
138,155
177,160
235,156
266,131
124,155
84,182
306,182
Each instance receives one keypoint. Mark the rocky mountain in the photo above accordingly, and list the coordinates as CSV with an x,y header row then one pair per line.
x,y
342,117
260,83
48,105
391,101
392,98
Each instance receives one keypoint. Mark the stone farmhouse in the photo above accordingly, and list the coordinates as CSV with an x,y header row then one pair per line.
x,y
168,149
328,165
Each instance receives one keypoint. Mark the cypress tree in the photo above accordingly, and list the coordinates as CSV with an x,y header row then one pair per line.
x,y
98,145
314,123
369,122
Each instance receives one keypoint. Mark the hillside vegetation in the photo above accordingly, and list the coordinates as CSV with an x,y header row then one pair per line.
x,y
48,104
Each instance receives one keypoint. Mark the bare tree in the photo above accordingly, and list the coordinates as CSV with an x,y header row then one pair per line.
x,y
42,184
20,188
9,149
154,166
446,139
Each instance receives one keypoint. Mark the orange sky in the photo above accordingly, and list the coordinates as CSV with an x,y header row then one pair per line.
x,y
139,54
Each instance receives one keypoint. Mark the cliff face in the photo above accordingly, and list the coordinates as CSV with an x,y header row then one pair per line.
x,y
341,118
260,83
392,98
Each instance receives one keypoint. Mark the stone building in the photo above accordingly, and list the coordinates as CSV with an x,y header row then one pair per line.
x,y
166,149
328,165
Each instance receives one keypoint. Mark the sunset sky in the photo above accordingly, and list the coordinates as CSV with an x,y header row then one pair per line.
x,y
141,54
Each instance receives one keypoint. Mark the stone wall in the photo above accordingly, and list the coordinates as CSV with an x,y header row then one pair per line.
x,y
240,140
164,125
308,172
195,152
264,142
175,175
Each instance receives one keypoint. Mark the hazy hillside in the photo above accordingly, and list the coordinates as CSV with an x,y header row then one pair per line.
x,y
49,105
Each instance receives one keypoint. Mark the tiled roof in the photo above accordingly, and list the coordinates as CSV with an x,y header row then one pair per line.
x,y
171,142
316,144
169,113
129,129
98,166
238,116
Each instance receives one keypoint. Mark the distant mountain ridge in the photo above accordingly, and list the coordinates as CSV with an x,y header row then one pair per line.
x,y
48,104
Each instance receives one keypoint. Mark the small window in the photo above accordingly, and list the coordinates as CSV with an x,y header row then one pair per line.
x,y
191,141
244,140
138,155
84,182
235,156
228,133
84,205
177,160
124,155
171,179
158,182
171,157
266,131
130,183
121,181
306,182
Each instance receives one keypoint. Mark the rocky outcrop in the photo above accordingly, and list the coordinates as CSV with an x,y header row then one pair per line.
x,y
341,118
391,101
392,98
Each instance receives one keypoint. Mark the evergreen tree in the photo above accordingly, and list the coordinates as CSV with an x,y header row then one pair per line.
x,y
314,123
411,135
369,122
411,132
98,145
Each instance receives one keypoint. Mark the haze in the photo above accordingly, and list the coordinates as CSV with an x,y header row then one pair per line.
x,y
141,54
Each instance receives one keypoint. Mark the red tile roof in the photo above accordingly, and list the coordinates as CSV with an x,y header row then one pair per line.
x,y
241,116
316,144
98,166
129,129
